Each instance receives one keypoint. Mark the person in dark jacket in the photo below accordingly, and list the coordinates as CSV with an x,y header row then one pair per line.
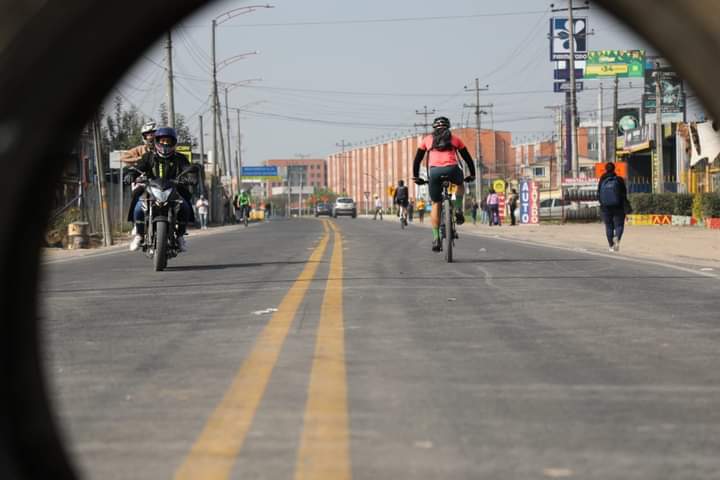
x,y
612,194
164,162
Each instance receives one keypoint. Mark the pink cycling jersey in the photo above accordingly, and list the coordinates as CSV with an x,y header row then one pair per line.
x,y
442,158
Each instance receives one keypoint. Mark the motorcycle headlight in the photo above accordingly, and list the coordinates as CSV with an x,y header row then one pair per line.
x,y
161,195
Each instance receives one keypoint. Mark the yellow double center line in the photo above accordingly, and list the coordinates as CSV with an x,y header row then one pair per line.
x,y
324,451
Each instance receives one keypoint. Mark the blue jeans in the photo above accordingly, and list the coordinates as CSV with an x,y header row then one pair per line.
x,y
182,218
614,218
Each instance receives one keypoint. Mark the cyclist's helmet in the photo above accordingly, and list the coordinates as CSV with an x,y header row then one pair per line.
x,y
165,141
441,122
401,183
148,132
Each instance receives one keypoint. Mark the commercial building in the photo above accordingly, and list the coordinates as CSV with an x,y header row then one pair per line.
x,y
362,172
302,177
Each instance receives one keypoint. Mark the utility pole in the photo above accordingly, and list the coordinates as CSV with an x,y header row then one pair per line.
x,y
425,113
239,147
227,125
558,109
660,174
478,143
202,153
343,145
213,94
601,128
102,192
615,120
170,87
573,90
218,118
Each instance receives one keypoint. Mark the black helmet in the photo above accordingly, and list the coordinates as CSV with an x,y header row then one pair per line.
x,y
441,122
165,150
401,183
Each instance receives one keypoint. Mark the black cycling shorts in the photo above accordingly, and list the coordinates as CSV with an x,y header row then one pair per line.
x,y
454,175
403,202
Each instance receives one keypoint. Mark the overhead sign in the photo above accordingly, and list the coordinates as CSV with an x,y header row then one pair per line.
x,y
562,70
637,140
560,38
529,203
615,63
628,119
560,87
260,173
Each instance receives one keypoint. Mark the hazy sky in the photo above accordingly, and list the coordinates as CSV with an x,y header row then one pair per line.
x,y
336,70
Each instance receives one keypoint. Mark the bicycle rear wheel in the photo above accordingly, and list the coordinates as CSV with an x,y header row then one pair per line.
x,y
449,234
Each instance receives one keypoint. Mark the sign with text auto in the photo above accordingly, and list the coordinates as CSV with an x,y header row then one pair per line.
x,y
560,38
529,203
615,63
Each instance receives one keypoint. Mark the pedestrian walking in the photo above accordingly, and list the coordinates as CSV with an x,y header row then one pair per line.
x,y
203,207
474,211
614,205
493,208
378,208
483,210
512,205
421,209
411,210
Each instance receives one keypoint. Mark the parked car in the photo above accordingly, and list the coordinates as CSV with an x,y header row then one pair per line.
x,y
322,209
557,207
553,207
345,206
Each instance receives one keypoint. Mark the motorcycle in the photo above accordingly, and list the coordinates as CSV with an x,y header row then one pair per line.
x,y
161,202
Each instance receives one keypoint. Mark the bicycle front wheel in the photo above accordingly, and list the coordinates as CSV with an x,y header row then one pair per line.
x,y
449,234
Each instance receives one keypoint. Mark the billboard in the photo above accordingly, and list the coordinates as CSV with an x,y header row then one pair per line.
x,y
615,63
562,87
185,150
637,139
560,38
671,91
562,70
529,203
260,173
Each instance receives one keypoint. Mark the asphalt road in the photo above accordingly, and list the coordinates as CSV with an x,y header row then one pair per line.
x,y
382,361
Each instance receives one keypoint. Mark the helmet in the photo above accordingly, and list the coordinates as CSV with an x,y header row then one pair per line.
x,y
441,122
165,149
401,183
148,131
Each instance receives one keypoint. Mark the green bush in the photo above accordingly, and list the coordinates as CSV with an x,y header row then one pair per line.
x,y
641,203
683,204
710,205
663,203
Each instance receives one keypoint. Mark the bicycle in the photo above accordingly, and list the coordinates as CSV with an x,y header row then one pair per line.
x,y
447,220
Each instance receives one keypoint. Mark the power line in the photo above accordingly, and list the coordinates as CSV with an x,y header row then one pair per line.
x,y
382,20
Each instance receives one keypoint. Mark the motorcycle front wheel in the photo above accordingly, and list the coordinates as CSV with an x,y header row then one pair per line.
x,y
161,241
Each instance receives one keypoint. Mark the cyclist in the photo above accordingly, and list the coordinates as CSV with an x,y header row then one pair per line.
x,y
242,205
442,148
401,197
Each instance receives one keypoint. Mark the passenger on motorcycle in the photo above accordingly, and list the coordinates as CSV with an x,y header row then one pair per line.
x,y
134,155
164,163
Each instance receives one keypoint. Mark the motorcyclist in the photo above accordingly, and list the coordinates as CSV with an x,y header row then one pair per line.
x,y
164,163
134,155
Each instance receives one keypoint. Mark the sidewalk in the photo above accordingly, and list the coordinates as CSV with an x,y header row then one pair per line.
x,y
680,245
685,246
50,255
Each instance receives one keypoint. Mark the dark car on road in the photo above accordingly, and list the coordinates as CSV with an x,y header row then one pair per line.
x,y
323,209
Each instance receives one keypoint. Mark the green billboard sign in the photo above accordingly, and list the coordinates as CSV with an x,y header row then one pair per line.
x,y
615,63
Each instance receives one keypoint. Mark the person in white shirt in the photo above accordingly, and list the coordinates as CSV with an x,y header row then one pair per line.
x,y
202,207
378,208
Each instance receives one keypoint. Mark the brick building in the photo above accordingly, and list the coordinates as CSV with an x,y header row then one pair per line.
x,y
311,172
363,172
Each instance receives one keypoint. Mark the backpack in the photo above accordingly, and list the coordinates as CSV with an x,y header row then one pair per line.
x,y
442,141
402,193
610,192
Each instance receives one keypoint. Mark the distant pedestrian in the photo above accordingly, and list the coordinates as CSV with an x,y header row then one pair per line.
x,y
512,205
483,210
378,208
474,211
493,208
614,204
411,210
421,210
203,208
226,209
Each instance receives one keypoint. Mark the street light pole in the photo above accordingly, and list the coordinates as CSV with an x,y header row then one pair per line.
x,y
478,143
